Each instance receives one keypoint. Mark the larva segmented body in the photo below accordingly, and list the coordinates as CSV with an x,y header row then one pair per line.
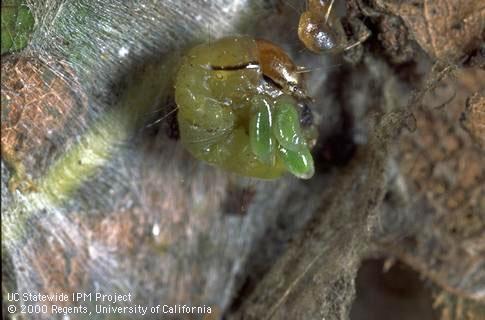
x,y
234,111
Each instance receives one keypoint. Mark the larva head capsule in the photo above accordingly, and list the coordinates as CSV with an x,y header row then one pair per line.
x,y
237,101
278,67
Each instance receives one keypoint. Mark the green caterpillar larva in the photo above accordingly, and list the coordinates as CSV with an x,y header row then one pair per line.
x,y
237,108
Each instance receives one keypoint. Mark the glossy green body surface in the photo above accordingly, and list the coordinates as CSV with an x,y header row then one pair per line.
x,y
227,116
260,131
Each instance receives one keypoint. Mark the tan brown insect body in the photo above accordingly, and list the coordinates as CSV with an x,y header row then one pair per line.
x,y
321,30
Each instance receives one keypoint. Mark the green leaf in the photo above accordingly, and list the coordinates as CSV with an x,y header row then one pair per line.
x,y
17,25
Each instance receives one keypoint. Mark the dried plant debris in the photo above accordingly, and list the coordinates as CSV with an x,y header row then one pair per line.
x,y
452,307
40,110
399,289
446,29
315,276
389,33
473,118
59,269
443,185
395,39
